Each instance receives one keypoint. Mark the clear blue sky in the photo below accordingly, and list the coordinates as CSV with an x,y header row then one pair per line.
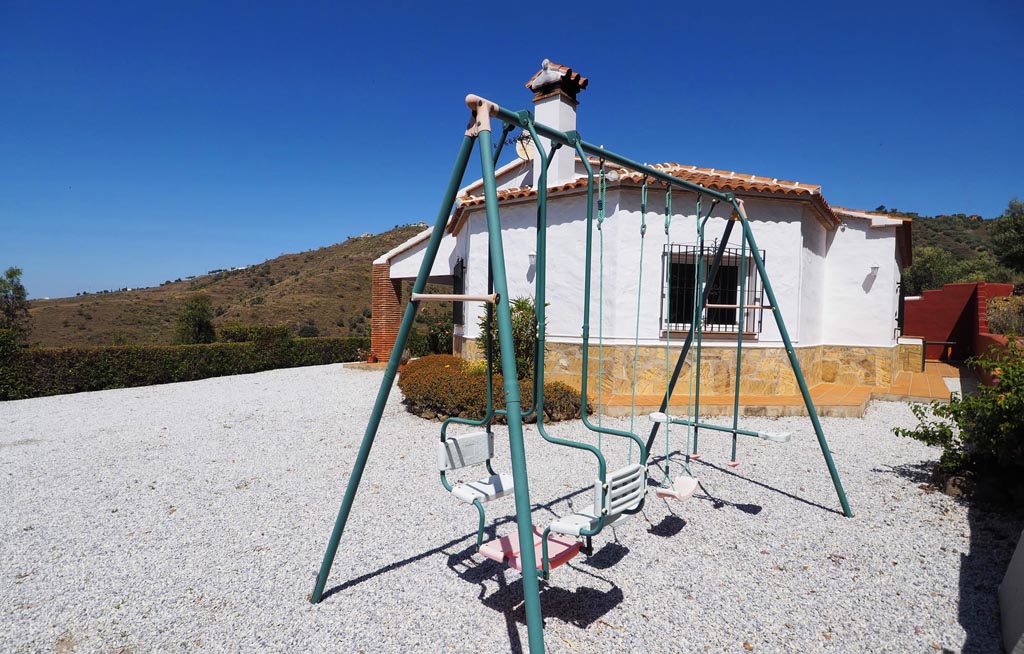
x,y
141,142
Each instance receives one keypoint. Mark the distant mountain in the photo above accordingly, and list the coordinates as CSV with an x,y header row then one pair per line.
x,y
328,288
965,236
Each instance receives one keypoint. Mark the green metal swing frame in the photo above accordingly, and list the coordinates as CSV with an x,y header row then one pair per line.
x,y
479,129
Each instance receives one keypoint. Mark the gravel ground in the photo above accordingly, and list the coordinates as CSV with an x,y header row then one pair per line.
x,y
193,517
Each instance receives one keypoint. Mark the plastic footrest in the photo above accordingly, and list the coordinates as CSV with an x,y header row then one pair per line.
x,y
506,549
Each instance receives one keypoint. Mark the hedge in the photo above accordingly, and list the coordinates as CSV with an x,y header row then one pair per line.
x,y
36,372
442,385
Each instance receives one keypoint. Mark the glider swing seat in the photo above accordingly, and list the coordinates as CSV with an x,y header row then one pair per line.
x,y
617,494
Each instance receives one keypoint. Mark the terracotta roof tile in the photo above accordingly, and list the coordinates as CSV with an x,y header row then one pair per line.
x,y
718,180
572,75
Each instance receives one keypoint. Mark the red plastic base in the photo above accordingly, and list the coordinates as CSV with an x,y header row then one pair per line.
x,y
506,550
732,464
695,457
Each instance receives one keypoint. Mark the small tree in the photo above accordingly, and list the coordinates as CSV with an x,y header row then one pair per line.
x,y
983,430
524,336
15,322
195,324
932,268
1008,236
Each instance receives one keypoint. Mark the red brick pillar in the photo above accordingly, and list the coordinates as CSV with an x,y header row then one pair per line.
x,y
387,311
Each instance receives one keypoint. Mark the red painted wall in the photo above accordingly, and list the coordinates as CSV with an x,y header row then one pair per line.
x,y
949,314
958,313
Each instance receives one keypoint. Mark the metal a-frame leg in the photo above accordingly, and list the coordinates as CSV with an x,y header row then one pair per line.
x,y
748,237
748,234
524,518
392,369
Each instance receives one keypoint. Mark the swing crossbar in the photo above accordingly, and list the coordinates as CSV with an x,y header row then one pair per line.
x,y
783,437
450,297
556,136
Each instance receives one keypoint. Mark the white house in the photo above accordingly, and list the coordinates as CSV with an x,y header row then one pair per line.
x,y
835,272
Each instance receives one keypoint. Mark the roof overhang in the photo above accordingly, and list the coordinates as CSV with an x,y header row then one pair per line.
x,y
903,225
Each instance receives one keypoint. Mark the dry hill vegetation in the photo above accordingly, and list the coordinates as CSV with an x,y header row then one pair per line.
x,y
323,292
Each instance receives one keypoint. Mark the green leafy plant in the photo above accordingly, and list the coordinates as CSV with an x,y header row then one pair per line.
x,y
984,430
195,324
14,317
449,386
524,335
37,372
235,332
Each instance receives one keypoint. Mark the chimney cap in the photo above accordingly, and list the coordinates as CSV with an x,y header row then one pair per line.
x,y
554,79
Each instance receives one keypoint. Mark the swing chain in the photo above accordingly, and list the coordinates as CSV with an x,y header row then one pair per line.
x,y
643,209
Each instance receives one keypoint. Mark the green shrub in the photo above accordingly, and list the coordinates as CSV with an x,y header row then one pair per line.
x,y
439,336
449,386
524,335
195,324
235,332
53,371
418,344
984,430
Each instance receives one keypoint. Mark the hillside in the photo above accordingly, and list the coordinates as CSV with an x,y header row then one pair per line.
x,y
964,236
328,288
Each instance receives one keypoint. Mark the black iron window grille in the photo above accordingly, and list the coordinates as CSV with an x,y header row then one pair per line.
x,y
724,305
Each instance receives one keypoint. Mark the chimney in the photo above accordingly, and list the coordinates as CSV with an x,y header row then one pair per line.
x,y
555,88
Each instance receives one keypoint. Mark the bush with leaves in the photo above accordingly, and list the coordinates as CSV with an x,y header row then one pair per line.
x,y
984,430
524,335
235,332
37,372
449,386
1008,236
15,323
195,324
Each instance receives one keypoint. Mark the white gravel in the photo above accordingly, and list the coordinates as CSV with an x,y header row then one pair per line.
x,y
193,517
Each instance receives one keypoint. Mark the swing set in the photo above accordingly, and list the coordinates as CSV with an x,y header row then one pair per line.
x,y
617,494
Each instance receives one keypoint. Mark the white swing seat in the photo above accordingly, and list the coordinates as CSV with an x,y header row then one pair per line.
x,y
626,489
470,449
783,437
681,489
485,490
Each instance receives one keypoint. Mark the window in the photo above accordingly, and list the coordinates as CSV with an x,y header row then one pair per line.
x,y
722,312
458,288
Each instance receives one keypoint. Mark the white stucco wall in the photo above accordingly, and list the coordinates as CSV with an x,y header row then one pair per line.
x,y
406,265
777,229
821,278
860,307
812,278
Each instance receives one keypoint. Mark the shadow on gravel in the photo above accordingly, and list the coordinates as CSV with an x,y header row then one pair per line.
x,y
754,509
398,564
916,473
606,557
490,531
995,525
994,534
581,607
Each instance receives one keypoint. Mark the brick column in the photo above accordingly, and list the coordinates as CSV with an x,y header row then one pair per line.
x,y
387,311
